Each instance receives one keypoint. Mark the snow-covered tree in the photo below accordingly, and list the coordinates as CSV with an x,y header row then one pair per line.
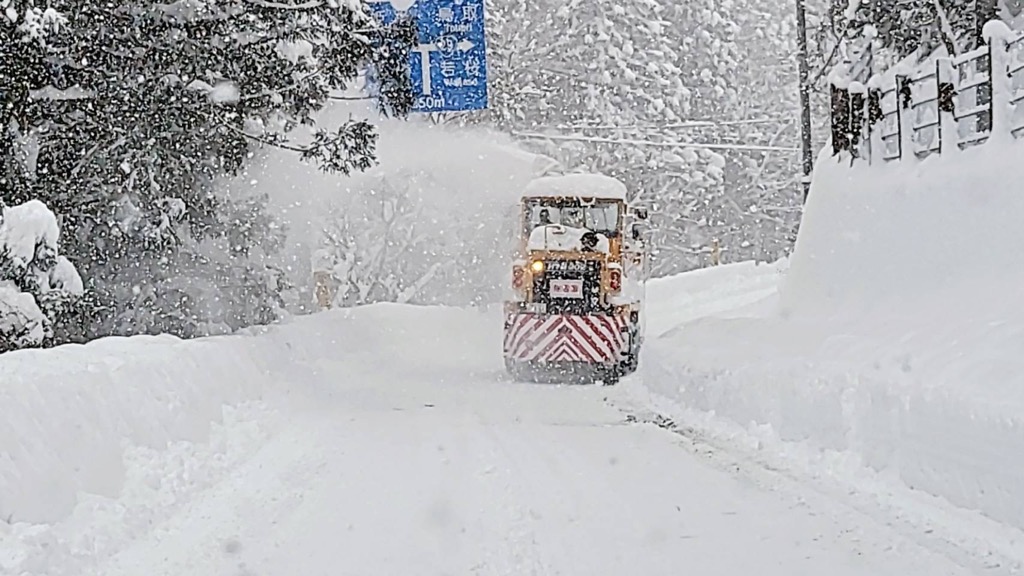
x,y
607,62
373,247
434,229
38,285
908,26
615,87
132,111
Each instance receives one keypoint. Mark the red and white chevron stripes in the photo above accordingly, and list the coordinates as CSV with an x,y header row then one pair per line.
x,y
566,338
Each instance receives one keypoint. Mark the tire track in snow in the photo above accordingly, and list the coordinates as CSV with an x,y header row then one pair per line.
x,y
209,533
853,509
580,488
520,551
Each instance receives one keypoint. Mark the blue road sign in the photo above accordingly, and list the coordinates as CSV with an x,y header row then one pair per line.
x,y
449,65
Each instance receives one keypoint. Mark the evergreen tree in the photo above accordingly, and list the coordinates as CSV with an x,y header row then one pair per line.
x,y
135,109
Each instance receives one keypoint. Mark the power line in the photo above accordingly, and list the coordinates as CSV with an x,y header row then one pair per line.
x,y
599,140
679,125
807,155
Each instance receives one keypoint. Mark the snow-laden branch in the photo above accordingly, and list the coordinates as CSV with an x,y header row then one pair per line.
x,y
265,141
56,94
945,28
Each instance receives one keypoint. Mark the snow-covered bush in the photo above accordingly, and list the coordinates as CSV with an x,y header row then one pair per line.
x,y
32,22
37,284
372,247
391,242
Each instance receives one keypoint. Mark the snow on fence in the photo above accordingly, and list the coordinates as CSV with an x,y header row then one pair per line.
x,y
972,103
929,110
925,90
1015,70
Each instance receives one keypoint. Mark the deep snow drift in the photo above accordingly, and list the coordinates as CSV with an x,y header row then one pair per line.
x,y
892,353
100,443
70,412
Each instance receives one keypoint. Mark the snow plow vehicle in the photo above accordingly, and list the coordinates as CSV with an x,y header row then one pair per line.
x,y
578,278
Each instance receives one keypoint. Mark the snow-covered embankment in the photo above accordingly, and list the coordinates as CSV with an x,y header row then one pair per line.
x,y
73,416
892,352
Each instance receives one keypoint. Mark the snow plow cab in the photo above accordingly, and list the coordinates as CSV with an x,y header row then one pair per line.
x,y
577,282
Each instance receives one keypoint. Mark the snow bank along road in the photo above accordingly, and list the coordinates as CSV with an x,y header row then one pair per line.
x,y
386,441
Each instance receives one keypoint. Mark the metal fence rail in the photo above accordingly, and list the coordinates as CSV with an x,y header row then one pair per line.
x,y
889,129
1015,70
973,99
927,126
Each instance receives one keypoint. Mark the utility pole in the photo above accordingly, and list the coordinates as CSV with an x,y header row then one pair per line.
x,y
805,96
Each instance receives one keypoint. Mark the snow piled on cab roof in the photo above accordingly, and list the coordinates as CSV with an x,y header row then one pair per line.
x,y
577,185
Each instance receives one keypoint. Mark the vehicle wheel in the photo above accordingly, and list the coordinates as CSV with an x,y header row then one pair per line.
x,y
628,366
610,376
632,361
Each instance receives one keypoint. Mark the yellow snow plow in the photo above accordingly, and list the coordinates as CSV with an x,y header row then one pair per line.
x,y
578,280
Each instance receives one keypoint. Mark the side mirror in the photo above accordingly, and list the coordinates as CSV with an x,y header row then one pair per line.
x,y
637,231
640,213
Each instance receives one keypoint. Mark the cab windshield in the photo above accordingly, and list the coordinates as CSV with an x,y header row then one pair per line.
x,y
601,216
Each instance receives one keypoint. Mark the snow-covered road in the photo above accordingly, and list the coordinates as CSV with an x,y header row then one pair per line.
x,y
386,440
448,469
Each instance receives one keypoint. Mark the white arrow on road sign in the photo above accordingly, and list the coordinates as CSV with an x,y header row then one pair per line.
x,y
447,45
